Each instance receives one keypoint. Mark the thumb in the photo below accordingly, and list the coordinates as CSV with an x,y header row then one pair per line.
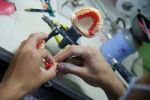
x,y
50,73
70,68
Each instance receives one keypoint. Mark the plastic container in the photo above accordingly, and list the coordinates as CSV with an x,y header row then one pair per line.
x,y
120,46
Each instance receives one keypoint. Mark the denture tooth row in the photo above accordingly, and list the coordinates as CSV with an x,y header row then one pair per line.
x,y
82,12
98,25
87,11
94,14
77,13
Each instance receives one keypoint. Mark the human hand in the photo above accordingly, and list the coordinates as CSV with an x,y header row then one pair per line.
x,y
91,67
25,73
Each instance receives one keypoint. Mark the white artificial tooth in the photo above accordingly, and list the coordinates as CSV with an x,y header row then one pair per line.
x,y
87,11
98,14
83,12
98,24
97,28
79,13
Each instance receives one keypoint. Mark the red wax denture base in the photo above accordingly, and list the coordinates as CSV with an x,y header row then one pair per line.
x,y
95,18
48,65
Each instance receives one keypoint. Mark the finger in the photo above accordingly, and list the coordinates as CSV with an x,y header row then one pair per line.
x,y
60,52
22,44
73,50
70,68
34,38
50,73
46,55
76,61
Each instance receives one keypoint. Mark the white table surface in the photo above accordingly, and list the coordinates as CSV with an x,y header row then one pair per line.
x,y
18,26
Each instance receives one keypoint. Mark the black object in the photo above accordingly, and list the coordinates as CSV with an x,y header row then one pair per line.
x,y
70,36
122,70
5,58
50,93
38,10
137,30
3,68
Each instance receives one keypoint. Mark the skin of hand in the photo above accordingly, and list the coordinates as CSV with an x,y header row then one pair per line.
x,y
89,64
25,73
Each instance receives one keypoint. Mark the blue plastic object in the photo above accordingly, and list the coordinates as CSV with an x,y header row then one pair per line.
x,y
118,47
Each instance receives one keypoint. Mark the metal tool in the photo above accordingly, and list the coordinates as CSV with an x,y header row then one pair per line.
x,y
65,33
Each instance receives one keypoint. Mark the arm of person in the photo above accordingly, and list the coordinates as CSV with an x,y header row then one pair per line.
x,y
11,92
25,73
89,64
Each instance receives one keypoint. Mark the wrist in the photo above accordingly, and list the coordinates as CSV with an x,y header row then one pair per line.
x,y
10,91
114,90
113,87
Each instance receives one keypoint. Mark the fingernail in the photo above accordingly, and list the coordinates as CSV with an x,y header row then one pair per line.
x,y
61,67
